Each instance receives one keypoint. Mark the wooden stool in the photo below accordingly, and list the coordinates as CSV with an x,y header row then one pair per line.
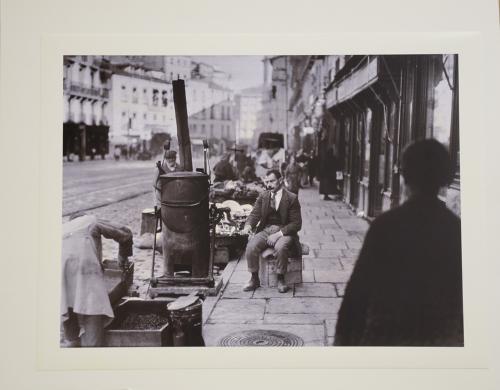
x,y
267,269
148,221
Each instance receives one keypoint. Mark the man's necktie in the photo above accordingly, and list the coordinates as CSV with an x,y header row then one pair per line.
x,y
273,201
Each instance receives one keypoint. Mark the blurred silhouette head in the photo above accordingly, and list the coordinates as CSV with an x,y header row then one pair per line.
x,y
426,167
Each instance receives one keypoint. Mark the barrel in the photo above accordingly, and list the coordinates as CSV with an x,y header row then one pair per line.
x,y
187,324
184,213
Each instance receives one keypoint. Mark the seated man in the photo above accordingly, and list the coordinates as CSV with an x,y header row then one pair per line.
x,y
85,305
276,216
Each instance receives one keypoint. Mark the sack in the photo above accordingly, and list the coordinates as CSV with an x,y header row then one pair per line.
x,y
146,241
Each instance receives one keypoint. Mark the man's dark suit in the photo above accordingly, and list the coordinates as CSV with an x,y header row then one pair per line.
x,y
291,223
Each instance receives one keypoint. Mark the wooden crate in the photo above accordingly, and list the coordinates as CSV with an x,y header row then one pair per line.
x,y
160,337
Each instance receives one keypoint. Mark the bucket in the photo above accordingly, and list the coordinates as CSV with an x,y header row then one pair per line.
x,y
186,320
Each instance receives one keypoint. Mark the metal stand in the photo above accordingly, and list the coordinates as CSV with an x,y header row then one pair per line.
x,y
187,285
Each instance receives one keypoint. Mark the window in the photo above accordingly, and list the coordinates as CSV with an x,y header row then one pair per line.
x,y
135,97
273,92
124,93
145,116
194,128
155,97
164,118
145,96
164,98
154,117
203,129
211,130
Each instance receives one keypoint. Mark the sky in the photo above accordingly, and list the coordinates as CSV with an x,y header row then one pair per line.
x,y
246,71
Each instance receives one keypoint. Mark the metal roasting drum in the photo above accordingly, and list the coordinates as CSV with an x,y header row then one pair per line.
x,y
185,217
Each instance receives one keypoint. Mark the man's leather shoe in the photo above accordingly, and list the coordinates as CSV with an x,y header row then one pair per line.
x,y
252,284
282,287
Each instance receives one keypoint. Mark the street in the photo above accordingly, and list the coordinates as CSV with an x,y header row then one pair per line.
x,y
94,183
309,310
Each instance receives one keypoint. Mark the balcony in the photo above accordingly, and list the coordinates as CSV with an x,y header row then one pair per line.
x,y
84,91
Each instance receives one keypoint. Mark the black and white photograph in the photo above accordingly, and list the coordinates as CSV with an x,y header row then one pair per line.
x,y
261,201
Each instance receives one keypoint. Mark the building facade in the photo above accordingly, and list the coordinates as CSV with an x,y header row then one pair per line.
x,y
367,109
177,67
141,106
86,121
274,115
248,104
211,109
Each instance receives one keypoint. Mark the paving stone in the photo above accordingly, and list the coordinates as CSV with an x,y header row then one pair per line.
x,y
300,305
350,252
331,253
354,244
271,292
315,290
307,276
235,291
330,325
240,277
317,319
334,245
312,335
321,263
238,311
348,261
340,287
327,225
208,305
324,276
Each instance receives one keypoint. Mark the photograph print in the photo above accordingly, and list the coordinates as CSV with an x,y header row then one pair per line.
x,y
273,200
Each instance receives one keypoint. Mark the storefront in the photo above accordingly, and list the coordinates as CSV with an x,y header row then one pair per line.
x,y
380,104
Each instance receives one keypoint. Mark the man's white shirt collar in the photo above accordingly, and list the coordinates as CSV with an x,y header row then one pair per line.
x,y
277,197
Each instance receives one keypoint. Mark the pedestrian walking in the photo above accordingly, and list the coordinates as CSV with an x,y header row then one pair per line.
x,y
406,287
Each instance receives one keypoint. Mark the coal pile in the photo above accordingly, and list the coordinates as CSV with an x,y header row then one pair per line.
x,y
142,321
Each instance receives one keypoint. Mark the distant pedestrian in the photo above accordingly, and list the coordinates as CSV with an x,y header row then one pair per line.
x,y
103,153
327,175
406,287
293,175
312,167
125,152
117,153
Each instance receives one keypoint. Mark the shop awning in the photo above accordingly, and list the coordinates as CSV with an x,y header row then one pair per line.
x,y
366,74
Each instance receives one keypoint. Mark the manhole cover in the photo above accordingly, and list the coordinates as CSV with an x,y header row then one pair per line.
x,y
261,338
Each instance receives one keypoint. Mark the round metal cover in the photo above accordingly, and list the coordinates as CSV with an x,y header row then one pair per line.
x,y
261,338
